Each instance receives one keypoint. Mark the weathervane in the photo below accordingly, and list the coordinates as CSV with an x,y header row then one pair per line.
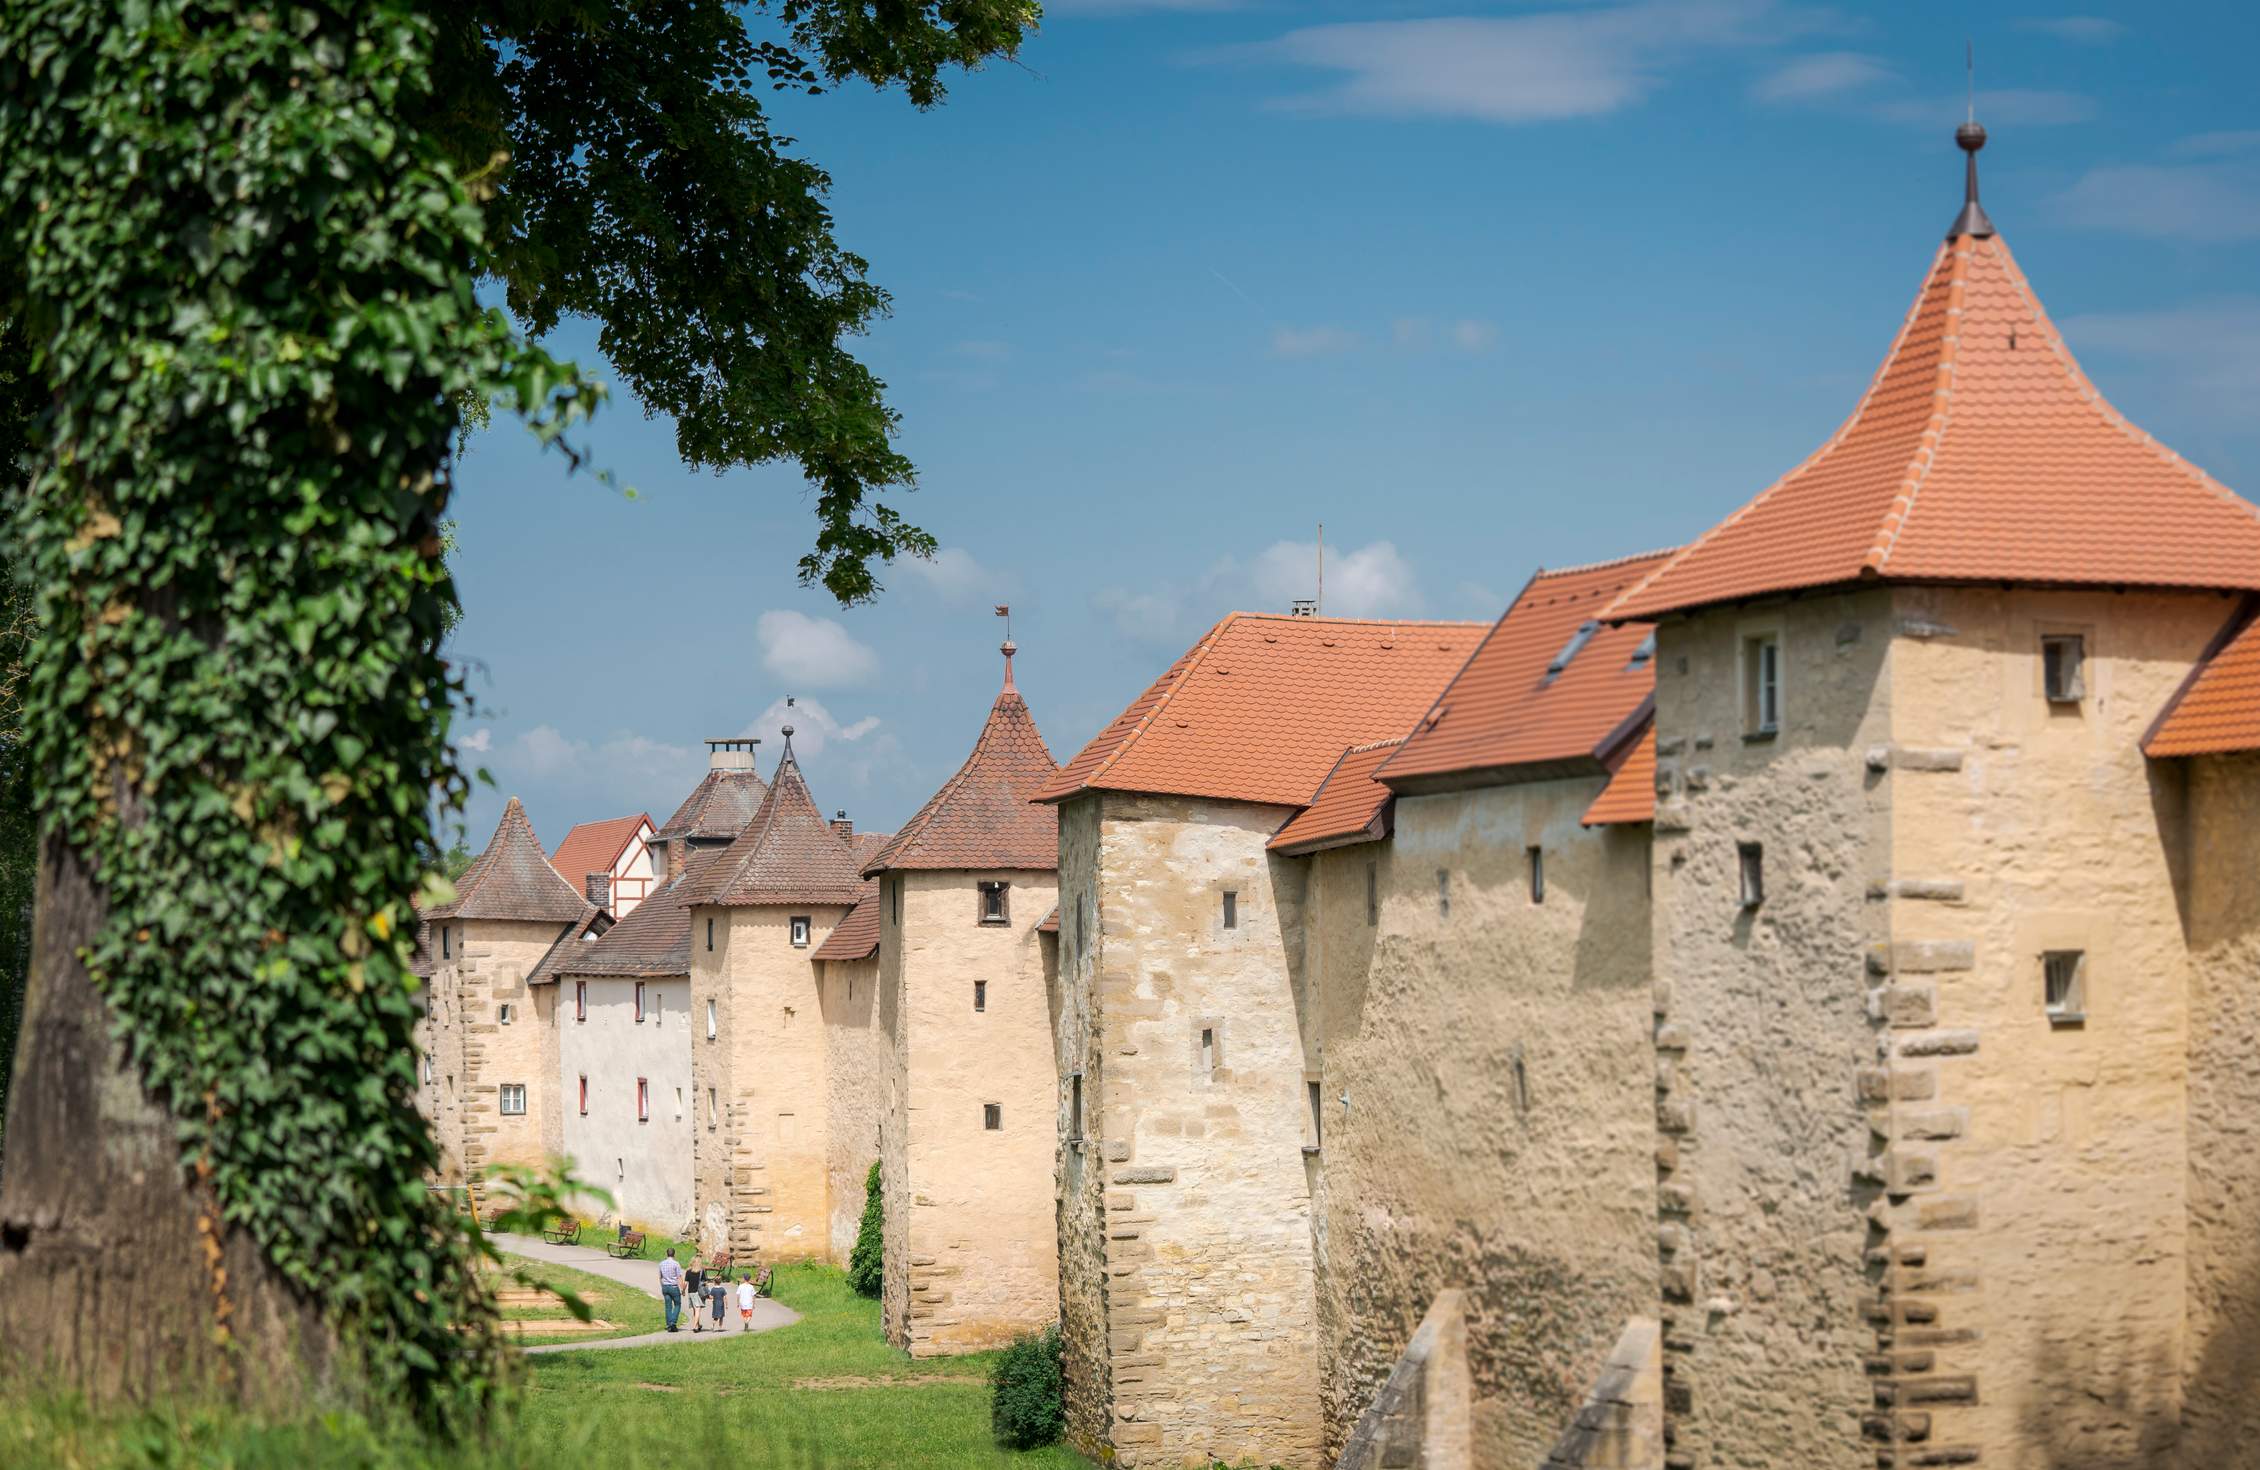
x,y
1009,648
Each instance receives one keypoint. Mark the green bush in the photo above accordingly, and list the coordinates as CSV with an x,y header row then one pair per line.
x,y
1028,1391
867,1262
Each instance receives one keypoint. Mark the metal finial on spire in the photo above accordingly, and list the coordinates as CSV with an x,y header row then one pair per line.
x,y
1972,220
1008,648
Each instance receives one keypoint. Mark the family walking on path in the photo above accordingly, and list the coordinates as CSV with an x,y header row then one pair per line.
x,y
707,1290
759,1315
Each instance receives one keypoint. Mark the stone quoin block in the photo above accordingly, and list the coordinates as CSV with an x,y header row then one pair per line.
x,y
1947,1214
1940,1044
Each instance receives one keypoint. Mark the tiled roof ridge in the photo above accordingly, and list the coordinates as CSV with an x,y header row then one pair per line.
x,y
1962,250
514,837
2061,349
1303,621
1008,706
1372,745
787,805
2165,737
1602,565
1185,670
1852,420
1436,705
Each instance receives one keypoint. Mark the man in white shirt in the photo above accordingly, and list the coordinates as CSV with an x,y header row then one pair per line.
x,y
671,1287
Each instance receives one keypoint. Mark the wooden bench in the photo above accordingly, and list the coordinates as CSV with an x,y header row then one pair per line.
x,y
563,1232
629,1245
761,1282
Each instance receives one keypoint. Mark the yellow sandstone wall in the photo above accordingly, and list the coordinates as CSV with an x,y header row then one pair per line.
x,y
1080,1052
762,1177
2221,1345
439,1066
978,1252
858,1059
1762,1025
491,959
2043,1188
1489,1104
1211,1333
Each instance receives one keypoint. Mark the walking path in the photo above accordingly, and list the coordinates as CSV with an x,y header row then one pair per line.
x,y
768,1313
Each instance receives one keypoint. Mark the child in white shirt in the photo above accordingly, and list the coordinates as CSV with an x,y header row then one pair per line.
x,y
745,1305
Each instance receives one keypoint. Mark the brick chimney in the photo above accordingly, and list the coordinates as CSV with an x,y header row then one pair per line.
x,y
841,827
735,754
599,889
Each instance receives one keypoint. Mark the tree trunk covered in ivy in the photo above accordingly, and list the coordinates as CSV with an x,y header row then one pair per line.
x,y
114,1267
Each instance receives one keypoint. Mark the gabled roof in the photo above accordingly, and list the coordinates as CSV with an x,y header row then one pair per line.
x,y
1262,707
512,879
1512,714
2218,709
786,854
1051,922
720,805
593,847
1350,805
856,936
1630,796
1980,452
986,815
654,941
584,931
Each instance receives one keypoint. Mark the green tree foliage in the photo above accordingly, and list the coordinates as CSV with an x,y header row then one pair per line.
x,y
1028,1390
867,1263
18,833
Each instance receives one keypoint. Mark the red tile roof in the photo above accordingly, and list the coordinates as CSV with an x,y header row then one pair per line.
x,y
583,931
1980,452
719,806
1630,796
986,816
512,879
1350,806
1262,707
654,941
786,854
2218,709
1510,711
1051,922
593,847
856,936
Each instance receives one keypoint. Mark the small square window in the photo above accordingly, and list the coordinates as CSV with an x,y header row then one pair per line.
x,y
1443,893
992,1116
446,945
678,1105
1075,1108
639,1002
584,1095
505,1013
980,995
1537,875
800,931
2063,667
643,1099
711,1027
1761,685
713,1109
1231,909
1752,857
1372,893
1208,1049
993,905
428,1069
710,936
895,889
2064,979
1315,1136
580,1000
513,1099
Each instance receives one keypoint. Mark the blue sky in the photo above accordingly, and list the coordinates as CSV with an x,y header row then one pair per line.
x,y
1481,287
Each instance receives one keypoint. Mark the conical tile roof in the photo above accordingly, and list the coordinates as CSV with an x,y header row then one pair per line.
x,y
1980,452
512,879
985,816
719,806
786,854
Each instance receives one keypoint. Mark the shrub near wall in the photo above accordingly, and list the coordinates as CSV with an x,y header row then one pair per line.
x,y
867,1262
1028,1387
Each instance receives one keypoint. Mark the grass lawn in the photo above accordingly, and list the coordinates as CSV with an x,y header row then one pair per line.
x,y
824,1392
628,1310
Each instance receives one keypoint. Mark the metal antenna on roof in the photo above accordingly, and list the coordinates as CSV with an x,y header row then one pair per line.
x,y
1969,77
1322,568
1969,137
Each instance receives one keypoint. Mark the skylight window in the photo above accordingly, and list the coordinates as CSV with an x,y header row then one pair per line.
x,y
1645,653
1577,640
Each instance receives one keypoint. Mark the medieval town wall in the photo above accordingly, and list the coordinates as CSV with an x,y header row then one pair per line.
x,y
762,1176
2221,1344
857,1059
644,1163
1487,1097
979,1253
1761,1028
440,1078
1212,1333
1080,1057
491,959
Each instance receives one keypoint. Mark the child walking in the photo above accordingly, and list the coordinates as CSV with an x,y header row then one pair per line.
x,y
745,1305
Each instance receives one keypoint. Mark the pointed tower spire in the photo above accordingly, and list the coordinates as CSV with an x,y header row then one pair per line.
x,y
1008,648
1971,221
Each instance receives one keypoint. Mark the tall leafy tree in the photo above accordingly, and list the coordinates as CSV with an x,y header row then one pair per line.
x,y
238,245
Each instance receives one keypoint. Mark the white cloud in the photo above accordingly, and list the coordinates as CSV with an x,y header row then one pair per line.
x,y
984,350
1470,335
1373,580
2207,203
1581,62
627,772
1828,74
1321,341
815,728
1411,331
813,651
2208,351
480,740
2087,30
2020,106
1127,7
956,576
2215,145
853,757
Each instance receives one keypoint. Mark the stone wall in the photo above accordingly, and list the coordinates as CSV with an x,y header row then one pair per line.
x,y
1081,1205
439,1067
2221,1347
979,1254
856,1064
2035,1172
1762,1023
490,960
1211,1333
1488,1096
644,1163
1419,1417
762,1179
